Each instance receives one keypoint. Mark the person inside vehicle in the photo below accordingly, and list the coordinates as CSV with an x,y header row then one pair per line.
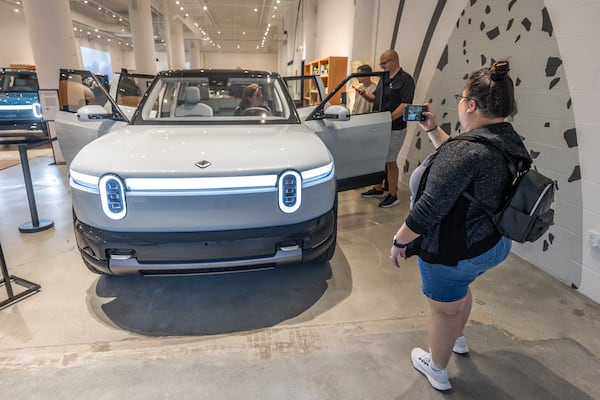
x,y
251,102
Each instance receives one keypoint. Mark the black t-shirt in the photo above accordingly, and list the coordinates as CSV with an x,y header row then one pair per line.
x,y
397,90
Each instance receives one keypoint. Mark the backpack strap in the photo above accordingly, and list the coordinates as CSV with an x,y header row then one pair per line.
x,y
474,200
514,169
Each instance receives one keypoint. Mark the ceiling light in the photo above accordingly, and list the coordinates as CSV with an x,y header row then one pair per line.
x,y
205,8
256,10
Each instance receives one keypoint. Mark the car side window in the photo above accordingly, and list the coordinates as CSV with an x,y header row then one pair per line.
x,y
73,93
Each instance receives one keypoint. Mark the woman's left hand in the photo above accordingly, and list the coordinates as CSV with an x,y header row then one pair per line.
x,y
395,254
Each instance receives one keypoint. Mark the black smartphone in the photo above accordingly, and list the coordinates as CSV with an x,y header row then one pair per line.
x,y
414,112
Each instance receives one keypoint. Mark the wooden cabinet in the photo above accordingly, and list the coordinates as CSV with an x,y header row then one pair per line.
x,y
332,71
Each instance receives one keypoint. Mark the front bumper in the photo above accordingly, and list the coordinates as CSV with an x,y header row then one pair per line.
x,y
29,129
171,253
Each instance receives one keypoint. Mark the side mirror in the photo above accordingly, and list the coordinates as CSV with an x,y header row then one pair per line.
x,y
92,113
339,113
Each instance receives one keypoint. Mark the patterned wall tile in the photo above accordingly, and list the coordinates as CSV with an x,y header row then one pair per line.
x,y
521,31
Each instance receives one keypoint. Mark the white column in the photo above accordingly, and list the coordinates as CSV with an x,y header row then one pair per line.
x,y
328,41
52,39
195,56
53,44
363,49
174,32
140,19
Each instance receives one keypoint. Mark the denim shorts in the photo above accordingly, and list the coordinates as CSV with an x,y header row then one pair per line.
x,y
445,284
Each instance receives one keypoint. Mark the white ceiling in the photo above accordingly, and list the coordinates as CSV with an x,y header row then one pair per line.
x,y
221,25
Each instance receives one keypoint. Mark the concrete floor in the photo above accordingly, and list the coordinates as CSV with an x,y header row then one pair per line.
x,y
342,330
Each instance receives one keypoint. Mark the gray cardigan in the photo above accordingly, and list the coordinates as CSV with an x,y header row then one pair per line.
x,y
451,227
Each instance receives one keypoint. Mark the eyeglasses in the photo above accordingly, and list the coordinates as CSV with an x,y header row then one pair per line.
x,y
385,62
459,97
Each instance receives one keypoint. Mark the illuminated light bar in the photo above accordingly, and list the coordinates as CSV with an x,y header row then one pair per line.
x,y
16,107
87,181
318,173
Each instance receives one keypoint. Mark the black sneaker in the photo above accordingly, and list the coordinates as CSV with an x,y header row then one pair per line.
x,y
372,193
389,201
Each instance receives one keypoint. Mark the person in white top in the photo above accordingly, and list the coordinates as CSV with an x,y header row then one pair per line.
x,y
367,86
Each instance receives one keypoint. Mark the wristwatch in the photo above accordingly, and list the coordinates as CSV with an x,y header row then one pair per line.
x,y
400,245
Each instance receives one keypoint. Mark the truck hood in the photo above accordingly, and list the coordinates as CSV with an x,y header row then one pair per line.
x,y
142,151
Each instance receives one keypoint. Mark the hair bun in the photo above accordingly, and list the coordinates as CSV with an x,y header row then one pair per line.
x,y
499,70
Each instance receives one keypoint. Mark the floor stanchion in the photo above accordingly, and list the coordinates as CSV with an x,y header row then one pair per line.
x,y
8,281
35,225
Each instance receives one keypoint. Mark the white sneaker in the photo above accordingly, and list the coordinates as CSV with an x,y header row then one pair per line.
x,y
460,346
437,377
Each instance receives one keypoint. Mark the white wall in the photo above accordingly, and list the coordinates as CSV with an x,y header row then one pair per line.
x,y
578,34
335,26
552,105
15,46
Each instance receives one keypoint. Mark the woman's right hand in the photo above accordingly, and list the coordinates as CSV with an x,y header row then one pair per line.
x,y
430,121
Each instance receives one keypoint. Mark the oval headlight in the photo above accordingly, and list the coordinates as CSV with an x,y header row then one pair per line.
x,y
112,197
37,110
289,191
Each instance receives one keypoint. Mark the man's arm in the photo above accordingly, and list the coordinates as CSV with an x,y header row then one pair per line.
x,y
397,112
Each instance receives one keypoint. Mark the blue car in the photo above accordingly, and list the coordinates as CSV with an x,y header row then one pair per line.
x,y
20,110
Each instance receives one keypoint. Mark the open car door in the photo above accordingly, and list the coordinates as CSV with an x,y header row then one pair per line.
x,y
359,143
77,89
306,92
128,88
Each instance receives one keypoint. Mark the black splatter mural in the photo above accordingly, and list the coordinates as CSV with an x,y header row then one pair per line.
x,y
522,32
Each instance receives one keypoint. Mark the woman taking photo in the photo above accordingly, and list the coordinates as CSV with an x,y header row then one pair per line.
x,y
454,239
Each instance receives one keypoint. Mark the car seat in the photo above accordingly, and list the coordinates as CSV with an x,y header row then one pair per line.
x,y
192,105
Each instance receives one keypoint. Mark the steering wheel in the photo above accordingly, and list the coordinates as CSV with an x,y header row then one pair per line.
x,y
255,111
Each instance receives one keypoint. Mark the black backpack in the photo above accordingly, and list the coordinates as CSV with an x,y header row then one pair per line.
x,y
526,213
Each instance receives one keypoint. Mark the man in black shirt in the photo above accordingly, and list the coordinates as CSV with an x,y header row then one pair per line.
x,y
398,90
